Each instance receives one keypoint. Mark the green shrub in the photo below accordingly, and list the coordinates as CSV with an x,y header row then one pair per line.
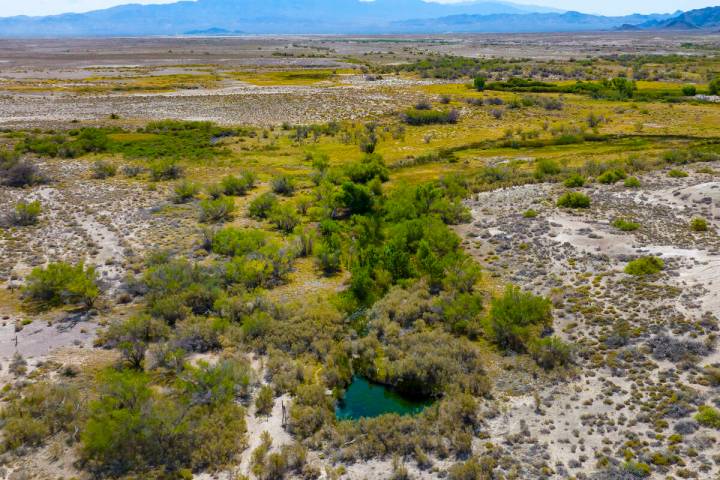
x,y
574,181
530,213
284,217
644,266
675,173
62,284
514,315
608,177
102,169
545,167
328,258
550,352
185,191
283,185
134,427
265,400
689,90
133,337
428,117
368,168
636,469
708,416
632,182
479,83
33,413
26,213
625,225
698,224
573,200
261,206
165,170
232,242
237,186
714,86
217,210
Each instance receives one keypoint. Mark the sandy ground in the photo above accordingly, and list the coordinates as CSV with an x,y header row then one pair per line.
x,y
561,252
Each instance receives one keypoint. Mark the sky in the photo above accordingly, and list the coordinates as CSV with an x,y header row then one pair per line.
x,y
605,7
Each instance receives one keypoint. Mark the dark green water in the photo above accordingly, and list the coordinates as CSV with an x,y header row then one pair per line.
x,y
365,399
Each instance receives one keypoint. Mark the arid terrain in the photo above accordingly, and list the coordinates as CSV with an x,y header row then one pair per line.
x,y
204,242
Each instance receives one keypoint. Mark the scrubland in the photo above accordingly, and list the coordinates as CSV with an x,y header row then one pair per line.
x,y
204,241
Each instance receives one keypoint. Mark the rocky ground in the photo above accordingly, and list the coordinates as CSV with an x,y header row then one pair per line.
x,y
641,343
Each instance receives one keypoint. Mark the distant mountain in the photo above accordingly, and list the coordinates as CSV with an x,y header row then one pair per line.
x,y
217,32
513,23
700,19
249,16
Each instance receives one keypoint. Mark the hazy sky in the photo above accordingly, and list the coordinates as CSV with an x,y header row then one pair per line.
x,y
607,7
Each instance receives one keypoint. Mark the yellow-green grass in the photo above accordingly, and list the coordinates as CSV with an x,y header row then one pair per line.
x,y
290,77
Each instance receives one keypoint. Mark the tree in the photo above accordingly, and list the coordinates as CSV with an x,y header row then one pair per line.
x,y
133,336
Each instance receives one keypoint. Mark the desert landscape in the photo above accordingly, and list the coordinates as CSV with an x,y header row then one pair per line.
x,y
466,256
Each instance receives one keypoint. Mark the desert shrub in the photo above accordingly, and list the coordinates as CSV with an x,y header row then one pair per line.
x,y
574,181
26,213
664,347
232,242
545,167
132,171
637,469
530,213
516,315
472,469
689,90
429,117
38,411
573,200
266,268
261,206
283,185
367,169
133,427
714,86
165,170
185,191
102,169
62,284
698,224
328,256
708,416
133,337
550,352
479,83
284,217
675,173
21,174
645,266
625,225
358,199
237,186
608,177
265,400
199,334
177,288
217,210
632,182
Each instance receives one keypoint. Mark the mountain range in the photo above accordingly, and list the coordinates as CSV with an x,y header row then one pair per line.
x,y
225,17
